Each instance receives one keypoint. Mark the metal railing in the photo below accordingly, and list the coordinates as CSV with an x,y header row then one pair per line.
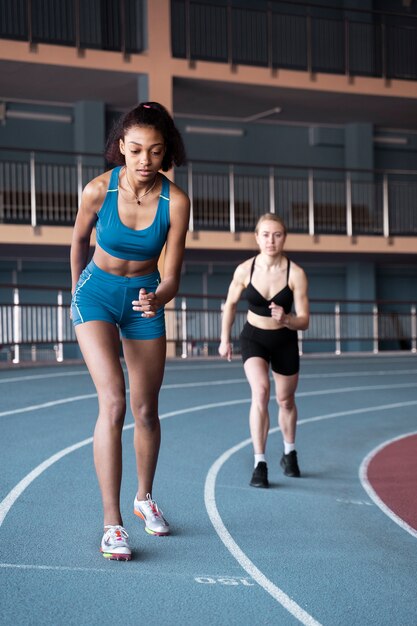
x,y
297,35
45,189
106,25
39,331
316,201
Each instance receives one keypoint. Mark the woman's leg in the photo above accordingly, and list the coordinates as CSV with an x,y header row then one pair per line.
x,y
257,373
100,345
285,387
145,360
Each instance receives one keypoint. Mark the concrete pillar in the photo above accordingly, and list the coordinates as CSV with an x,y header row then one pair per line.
x,y
89,127
359,147
159,41
360,285
143,88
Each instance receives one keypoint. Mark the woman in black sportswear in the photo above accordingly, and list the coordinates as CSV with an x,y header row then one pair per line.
x,y
278,307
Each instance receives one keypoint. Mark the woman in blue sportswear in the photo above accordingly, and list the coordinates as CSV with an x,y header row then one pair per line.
x,y
272,286
136,211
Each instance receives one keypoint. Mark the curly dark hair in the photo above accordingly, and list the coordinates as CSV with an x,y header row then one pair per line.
x,y
147,114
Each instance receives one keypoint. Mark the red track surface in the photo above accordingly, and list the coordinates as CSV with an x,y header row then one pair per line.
x,y
392,473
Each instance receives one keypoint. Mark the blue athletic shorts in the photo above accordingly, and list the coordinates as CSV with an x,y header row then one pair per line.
x,y
108,297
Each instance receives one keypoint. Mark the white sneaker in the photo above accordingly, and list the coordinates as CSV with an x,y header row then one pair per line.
x,y
114,544
155,523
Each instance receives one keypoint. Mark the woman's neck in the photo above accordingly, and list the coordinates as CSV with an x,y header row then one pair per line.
x,y
271,262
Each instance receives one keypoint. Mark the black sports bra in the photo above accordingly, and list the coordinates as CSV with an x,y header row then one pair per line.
x,y
260,305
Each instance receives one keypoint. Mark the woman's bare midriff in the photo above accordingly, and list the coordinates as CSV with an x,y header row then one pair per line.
x,y
264,323
122,267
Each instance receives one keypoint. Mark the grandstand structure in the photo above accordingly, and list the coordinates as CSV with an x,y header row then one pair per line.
x,y
305,109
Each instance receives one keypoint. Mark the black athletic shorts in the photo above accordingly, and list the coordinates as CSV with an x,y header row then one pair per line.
x,y
277,347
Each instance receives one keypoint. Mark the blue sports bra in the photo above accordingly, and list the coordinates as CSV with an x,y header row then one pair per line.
x,y
127,243
260,305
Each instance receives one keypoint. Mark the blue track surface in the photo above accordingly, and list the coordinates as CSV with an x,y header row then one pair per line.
x,y
314,550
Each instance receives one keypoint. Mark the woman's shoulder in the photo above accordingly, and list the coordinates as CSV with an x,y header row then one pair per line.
x,y
97,187
242,271
95,192
297,273
294,267
177,195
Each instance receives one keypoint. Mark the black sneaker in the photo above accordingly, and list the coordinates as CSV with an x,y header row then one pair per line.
x,y
260,476
289,464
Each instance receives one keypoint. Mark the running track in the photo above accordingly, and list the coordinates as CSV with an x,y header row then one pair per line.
x,y
336,547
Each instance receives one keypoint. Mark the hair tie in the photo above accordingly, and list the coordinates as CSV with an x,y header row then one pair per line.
x,y
147,106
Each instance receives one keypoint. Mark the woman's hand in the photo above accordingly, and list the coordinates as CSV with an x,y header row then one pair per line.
x,y
278,313
226,350
147,303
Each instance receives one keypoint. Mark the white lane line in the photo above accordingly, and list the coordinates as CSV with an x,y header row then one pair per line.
x,y
15,493
213,513
210,501
358,373
209,491
301,394
363,477
18,379
59,568
304,376
46,405
7,503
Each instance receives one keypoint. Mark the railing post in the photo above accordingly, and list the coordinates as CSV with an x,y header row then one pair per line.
x,y
385,206
184,328
309,44
79,179
229,33
187,30
310,202
123,27
384,60
269,36
206,314
347,47
413,329
17,326
300,342
349,222
375,328
271,190
33,219
191,196
77,25
232,199
60,328
29,21
337,332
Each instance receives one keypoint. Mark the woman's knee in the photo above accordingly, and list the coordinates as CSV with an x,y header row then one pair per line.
x,y
286,402
146,415
113,407
260,395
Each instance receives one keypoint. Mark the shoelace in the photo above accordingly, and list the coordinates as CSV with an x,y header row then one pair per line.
x,y
115,533
153,506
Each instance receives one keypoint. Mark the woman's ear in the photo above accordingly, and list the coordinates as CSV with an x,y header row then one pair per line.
x,y
122,146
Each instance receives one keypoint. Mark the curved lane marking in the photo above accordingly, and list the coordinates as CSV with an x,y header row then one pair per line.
x,y
7,503
305,376
15,493
209,495
210,501
213,513
363,477
301,394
